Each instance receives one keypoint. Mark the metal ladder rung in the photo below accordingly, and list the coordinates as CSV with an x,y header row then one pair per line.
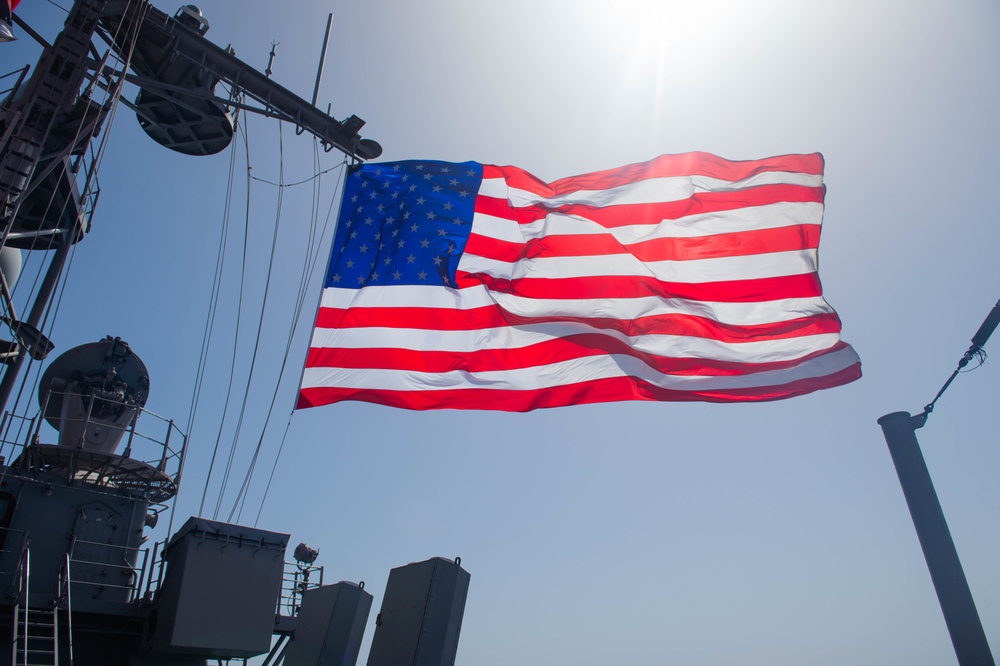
x,y
41,644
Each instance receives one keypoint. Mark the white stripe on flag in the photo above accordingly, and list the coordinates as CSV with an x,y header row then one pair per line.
x,y
626,309
518,337
570,372
650,190
770,216
692,271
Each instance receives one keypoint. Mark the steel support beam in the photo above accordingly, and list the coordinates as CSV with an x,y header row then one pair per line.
x,y
34,319
957,605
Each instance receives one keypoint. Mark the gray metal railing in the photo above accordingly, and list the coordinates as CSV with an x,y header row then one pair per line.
x,y
133,573
21,74
295,581
22,576
12,592
66,593
158,446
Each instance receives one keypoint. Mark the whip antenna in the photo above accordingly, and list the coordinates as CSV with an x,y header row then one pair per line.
x,y
322,57
975,350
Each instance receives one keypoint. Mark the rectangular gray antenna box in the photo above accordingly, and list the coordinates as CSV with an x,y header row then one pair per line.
x,y
220,591
329,626
421,615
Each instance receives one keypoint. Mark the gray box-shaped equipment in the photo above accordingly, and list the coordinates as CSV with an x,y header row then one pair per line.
x,y
421,615
330,626
220,591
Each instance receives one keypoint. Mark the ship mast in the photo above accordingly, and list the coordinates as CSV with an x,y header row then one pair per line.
x,y
73,512
48,189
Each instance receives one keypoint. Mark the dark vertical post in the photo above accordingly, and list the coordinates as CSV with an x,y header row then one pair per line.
x,y
967,635
35,316
322,58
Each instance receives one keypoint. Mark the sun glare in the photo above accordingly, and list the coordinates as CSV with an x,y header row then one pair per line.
x,y
675,41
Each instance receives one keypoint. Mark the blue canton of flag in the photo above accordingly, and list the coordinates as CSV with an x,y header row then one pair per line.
x,y
404,224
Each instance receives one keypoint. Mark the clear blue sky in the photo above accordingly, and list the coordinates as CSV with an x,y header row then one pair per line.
x,y
641,534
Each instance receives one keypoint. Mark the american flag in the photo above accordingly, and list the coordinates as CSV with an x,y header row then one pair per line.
x,y
470,286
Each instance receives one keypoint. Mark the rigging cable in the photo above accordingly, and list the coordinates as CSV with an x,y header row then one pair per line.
x,y
260,322
316,201
303,281
308,268
975,351
299,182
239,316
213,309
302,295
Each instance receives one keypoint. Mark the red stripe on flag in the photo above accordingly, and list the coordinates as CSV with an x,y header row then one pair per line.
x,y
558,350
665,166
442,319
733,291
701,203
495,207
598,391
781,239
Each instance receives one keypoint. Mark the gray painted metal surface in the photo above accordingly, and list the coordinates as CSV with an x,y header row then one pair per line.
x,y
162,39
220,590
952,588
330,626
101,531
421,616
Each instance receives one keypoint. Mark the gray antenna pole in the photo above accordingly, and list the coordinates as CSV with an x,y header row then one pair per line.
x,y
950,584
953,593
322,57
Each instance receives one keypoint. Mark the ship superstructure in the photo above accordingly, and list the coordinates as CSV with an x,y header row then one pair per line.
x,y
83,478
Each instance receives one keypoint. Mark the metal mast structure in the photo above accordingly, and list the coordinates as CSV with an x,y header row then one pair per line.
x,y
943,563
78,584
48,186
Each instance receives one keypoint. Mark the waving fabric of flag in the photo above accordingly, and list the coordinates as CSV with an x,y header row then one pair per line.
x,y
469,286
